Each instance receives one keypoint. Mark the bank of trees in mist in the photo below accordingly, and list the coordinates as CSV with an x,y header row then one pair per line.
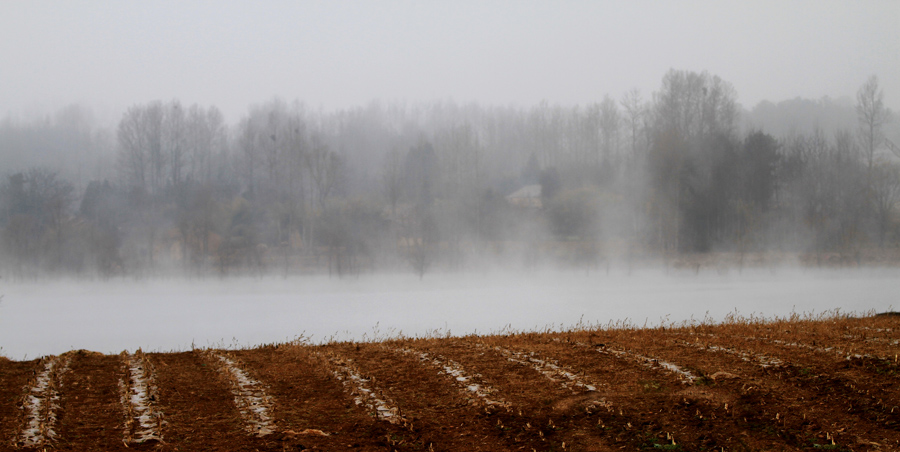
x,y
292,190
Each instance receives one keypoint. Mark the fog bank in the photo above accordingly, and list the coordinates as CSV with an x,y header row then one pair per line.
x,y
52,317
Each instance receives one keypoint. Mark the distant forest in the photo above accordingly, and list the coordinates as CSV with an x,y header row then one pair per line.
x,y
173,189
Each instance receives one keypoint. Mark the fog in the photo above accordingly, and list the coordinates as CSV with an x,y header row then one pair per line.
x,y
189,174
50,318
336,56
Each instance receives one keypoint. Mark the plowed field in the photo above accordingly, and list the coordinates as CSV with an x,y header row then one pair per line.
x,y
747,385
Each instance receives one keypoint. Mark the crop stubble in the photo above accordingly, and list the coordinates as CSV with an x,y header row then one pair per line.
x,y
790,384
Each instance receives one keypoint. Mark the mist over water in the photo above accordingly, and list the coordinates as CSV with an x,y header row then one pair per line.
x,y
42,318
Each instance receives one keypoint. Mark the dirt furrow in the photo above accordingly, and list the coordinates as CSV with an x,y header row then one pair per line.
x,y
140,399
41,403
471,384
550,404
775,398
868,385
92,416
684,408
440,416
634,419
250,396
365,394
552,371
14,378
864,387
743,391
309,402
884,335
836,337
200,410
828,384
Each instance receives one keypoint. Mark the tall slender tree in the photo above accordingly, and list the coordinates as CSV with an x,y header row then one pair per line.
x,y
872,117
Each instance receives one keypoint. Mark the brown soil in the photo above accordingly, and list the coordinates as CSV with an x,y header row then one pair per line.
x,y
747,385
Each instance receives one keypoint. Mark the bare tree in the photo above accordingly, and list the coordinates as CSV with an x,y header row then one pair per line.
x,y
174,133
695,105
392,178
420,233
296,149
324,167
885,192
872,116
585,135
204,137
133,155
249,152
459,155
57,198
276,136
610,121
37,204
634,109
635,118
21,242
153,125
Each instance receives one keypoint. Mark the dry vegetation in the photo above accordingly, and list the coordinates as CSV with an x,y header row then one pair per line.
x,y
824,383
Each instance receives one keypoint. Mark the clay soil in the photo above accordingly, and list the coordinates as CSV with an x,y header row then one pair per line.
x,y
743,385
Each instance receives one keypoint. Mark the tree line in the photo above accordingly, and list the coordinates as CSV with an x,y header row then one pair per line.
x,y
290,189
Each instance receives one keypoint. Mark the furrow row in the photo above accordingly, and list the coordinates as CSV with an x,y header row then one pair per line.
x,y
761,360
140,399
250,397
42,402
364,392
591,390
800,379
546,367
684,375
466,381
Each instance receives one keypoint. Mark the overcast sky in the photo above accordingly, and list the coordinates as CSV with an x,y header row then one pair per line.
x,y
337,54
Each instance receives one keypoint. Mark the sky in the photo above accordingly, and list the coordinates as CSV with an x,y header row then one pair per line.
x,y
109,55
